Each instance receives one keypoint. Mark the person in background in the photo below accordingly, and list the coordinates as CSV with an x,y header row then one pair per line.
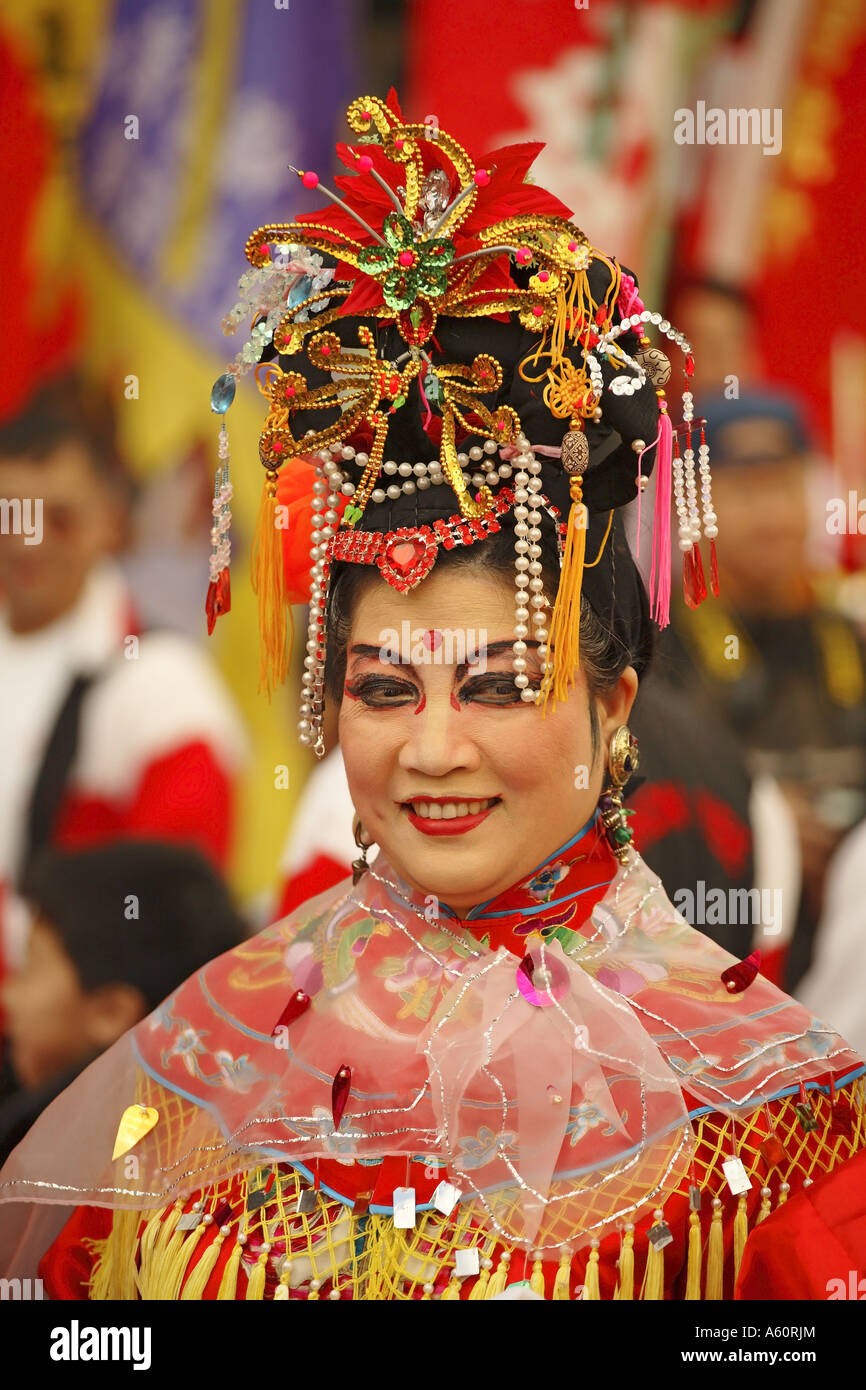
x,y
106,730
115,929
836,978
787,675
718,318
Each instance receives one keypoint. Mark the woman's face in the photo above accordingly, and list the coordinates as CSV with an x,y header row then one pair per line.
x,y
464,786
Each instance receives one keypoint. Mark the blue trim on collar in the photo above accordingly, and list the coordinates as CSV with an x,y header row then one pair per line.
x,y
477,911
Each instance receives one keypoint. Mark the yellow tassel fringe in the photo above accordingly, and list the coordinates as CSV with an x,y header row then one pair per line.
x,y
695,1258
625,1288
563,642
715,1255
741,1234
268,581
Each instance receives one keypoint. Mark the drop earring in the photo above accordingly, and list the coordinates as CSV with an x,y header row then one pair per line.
x,y
622,761
360,865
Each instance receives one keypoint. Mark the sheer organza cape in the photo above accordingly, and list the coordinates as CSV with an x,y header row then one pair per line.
x,y
557,1091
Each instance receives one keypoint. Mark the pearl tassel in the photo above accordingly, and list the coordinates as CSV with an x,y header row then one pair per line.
x,y
325,519
529,585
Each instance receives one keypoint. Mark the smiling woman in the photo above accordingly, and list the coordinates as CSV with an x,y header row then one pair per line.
x,y
426,743
497,1064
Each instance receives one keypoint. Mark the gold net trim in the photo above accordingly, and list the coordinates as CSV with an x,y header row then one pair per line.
x,y
278,1251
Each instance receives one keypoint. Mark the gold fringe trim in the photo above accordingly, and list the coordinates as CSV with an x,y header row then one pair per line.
x,y
591,1289
114,1274
625,1288
228,1288
268,581
695,1258
563,638
498,1281
177,1261
256,1282
562,1282
741,1234
654,1277
715,1255
197,1282
479,1288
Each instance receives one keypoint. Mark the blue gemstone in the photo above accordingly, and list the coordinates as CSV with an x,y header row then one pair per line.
x,y
222,393
300,291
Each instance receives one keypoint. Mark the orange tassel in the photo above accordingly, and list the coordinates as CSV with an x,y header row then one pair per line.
x,y
266,572
564,635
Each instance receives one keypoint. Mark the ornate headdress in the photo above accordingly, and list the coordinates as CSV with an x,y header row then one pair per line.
x,y
460,312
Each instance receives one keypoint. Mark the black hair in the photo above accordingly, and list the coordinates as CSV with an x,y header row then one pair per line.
x,y
735,294
606,648
69,410
138,912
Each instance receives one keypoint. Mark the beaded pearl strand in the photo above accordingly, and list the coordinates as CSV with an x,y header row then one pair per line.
x,y
529,586
417,477
325,521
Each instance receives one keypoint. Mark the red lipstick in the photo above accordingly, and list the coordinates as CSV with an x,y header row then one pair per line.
x,y
456,825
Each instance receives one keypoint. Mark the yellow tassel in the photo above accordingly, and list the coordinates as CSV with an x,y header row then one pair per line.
x,y
281,1292
256,1283
313,1295
193,1289
765,1206
536,1282
564,633
113,1275
741,1233
695,1258
148,1237
453,1290
784,1189
228,1288
591,1290
625,1288
268,581
715,1255
479,1288
562,1282
497,1283
654,1275
168,1278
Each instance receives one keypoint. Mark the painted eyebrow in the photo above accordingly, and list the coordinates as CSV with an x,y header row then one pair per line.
x,y
364,650
493,649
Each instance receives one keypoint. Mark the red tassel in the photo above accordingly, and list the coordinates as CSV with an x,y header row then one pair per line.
x,y
689,580
297,1005
700,581
342,1085
219,599
738,977
714,570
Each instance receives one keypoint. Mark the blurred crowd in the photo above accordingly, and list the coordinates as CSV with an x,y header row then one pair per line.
x,y
122,752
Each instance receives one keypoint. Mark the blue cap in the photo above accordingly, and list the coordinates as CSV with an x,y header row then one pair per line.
x,y
761,404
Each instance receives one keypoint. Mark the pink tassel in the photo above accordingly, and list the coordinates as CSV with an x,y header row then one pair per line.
x,y
644,450
660,574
